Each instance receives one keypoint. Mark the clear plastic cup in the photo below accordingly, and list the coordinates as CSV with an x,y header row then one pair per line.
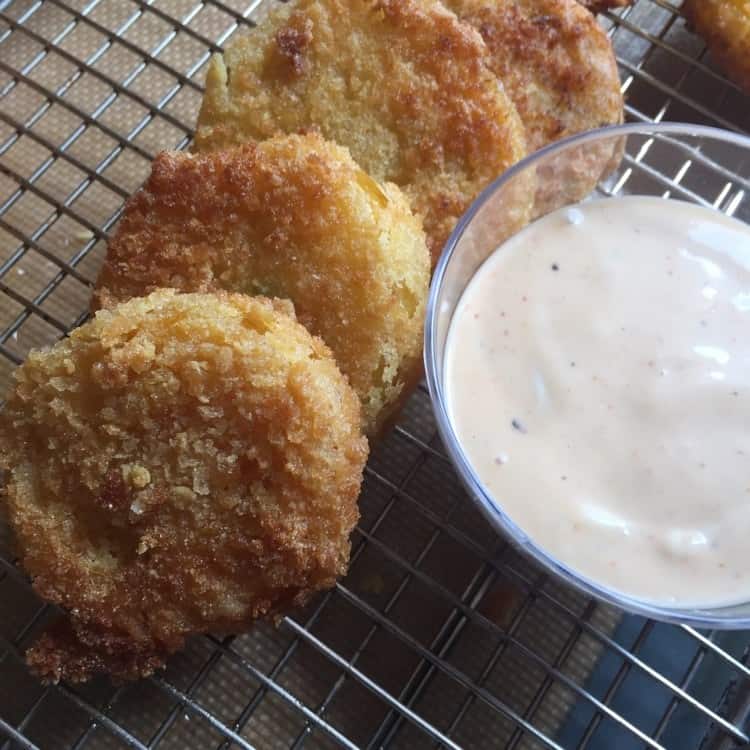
x,y
703,165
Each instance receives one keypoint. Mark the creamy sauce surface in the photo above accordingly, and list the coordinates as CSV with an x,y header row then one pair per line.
x,y
597,372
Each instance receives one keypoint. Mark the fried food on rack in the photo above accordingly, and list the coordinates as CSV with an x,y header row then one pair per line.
x,y
401,83
182,463
559,69
725,26
292,217
597,6
555,61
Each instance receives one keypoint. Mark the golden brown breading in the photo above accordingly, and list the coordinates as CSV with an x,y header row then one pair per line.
x,y
559,69
555,60
401,83
725,25
292,217
181,463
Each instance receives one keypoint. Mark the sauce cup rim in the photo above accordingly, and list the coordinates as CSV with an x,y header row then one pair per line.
x,y
724,617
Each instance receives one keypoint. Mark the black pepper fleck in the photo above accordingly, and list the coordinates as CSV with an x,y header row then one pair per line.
x,y
555,267
517,425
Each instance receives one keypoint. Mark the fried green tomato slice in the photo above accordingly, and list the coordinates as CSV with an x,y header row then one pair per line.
x,y
293,217
182,463
725,26
555,61
401,83
559,69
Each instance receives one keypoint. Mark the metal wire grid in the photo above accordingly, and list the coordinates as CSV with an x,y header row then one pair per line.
x,y
440,635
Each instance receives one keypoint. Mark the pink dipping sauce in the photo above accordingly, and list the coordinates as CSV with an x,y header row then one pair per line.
x,y
598,377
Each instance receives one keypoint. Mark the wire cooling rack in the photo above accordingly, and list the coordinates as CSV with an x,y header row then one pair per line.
x,y
440,636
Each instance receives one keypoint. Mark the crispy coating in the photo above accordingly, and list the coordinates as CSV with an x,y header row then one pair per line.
x,y
555,60
725,26
292,217
182,463
401,83
559,69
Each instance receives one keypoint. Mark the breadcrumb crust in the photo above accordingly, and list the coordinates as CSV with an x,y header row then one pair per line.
x,y
293,217
401,83
181,463
725,25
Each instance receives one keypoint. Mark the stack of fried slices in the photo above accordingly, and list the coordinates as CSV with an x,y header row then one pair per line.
x,y
190,459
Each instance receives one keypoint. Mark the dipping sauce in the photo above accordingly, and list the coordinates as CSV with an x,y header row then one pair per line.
x,y
597,371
